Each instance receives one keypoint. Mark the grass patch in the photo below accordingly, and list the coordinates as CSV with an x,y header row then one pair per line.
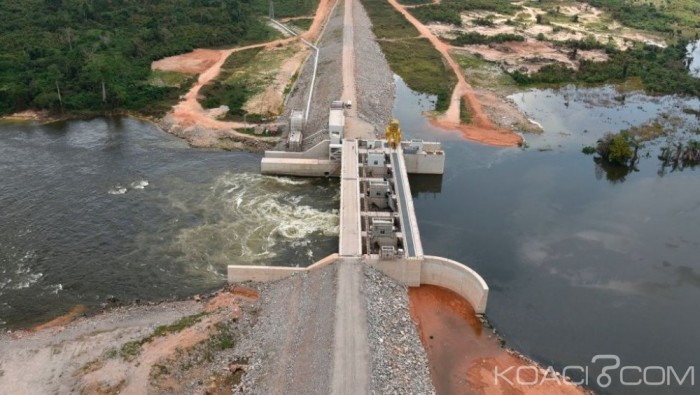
x,y
422,68
303,24
482,73
132,349
465,116
471,38
244,74
387,22
414,59
448,11
170,79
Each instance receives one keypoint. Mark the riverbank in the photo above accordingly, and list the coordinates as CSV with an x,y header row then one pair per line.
x,y
466,355
251,338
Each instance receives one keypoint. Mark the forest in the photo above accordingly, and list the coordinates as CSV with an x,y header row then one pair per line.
x,y
93,56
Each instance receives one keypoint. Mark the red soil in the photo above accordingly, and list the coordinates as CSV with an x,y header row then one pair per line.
x,y
481,128
464,356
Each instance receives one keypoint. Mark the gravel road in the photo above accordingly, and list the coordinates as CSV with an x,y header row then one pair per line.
x,y
373,78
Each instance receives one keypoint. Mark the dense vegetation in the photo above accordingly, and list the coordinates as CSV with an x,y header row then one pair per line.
x,y
93,56
645,16
448,11
661,70
414,59
470,38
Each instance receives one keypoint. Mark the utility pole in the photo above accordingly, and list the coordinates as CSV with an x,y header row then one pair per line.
x,y
272,10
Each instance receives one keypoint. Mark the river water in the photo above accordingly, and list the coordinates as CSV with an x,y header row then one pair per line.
x,y
581,260
115,208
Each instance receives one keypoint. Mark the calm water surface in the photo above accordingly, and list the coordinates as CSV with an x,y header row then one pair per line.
x,y
578,265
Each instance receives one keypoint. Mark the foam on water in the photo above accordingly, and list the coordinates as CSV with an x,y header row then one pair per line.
x,y
21,276
117,190
140,184
250,217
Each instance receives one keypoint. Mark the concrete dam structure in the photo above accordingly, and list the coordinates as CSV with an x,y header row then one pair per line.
x,y
378,225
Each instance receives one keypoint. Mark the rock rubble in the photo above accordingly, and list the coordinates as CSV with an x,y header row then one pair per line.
x,y
399,363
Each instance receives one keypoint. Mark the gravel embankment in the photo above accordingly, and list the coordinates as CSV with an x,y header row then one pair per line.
x,y
373,78
398,360
289,347
329,83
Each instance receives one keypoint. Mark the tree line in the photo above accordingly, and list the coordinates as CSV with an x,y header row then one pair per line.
x,y
94,56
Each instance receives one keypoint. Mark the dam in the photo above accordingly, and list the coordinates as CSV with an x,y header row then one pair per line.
x,y
378,224
378,227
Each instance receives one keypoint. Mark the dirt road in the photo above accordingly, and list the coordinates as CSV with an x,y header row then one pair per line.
x,y
481,129
188,118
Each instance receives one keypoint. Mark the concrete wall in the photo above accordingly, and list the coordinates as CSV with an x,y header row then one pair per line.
x,y
318,151
456,277
299,167
240,274
405,271
424,163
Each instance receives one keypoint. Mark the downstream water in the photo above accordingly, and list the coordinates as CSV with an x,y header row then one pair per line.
x,y
91,210
579,261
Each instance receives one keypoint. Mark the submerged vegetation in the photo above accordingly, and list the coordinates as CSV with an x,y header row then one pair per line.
x,y
414,59
680,155
94,56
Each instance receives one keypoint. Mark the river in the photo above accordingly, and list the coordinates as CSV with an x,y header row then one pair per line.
x,y
96,210
581,260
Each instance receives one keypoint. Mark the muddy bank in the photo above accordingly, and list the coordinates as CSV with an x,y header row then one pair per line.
x,y
464,355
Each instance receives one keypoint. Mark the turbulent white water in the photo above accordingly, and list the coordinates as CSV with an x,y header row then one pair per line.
x,y
251,218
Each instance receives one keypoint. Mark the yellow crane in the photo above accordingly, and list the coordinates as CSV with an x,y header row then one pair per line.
x,y
393,133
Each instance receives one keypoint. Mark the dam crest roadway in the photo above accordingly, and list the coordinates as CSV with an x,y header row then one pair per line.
x,y
378,225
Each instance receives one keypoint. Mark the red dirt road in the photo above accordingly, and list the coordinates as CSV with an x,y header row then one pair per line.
x,y
481,129
207,63
464,356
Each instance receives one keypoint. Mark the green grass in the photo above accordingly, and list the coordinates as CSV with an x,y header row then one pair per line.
x,y
484,74
415,60
465,116
422,68
448,11
130,350
303,24
169,79
387,22
232,87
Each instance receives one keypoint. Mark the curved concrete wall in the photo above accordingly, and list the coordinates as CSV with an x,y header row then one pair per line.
x,y
456,277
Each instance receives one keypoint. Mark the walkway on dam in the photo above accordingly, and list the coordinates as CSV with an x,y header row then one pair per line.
x,y
351,351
